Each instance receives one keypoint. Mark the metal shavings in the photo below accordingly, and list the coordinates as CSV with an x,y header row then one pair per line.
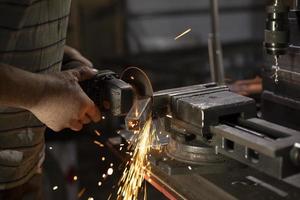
x,y
182,34
98,143
145,192
110,171
81,192
136,169
97,133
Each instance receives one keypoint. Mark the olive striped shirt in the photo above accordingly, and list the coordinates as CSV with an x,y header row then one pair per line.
x,y
32,37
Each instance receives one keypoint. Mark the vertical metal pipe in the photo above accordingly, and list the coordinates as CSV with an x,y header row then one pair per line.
x,y
296,5
216,49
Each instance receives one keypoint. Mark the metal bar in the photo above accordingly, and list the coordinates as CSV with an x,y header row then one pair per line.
x,y
216,44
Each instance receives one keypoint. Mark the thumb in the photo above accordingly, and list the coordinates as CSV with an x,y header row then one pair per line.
x,y
84,73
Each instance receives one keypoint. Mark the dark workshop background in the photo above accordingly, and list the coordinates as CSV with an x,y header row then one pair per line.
x,y
115,34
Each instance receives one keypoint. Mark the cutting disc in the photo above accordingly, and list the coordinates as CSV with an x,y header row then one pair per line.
x,y
139,81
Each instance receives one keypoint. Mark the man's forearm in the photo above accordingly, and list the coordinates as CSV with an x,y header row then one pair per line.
x,y
19,88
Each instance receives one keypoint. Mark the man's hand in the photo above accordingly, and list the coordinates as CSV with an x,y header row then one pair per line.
x,y
64,104
73,59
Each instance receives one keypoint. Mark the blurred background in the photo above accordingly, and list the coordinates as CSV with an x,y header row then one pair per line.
x,y
115,34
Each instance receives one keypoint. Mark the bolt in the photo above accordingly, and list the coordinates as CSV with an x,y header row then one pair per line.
x,y
295,154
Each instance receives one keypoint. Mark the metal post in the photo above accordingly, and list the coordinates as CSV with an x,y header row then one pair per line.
x,y
215,49
296,5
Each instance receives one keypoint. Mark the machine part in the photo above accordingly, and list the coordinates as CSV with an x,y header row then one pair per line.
x,y
295,154
195,152
208,107
141,111
139,81
259,144
282,110
215,48
109,93
277,28
162,99
226,180
296,5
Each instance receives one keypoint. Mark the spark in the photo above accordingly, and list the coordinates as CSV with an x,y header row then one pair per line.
x,y
169,116
121,148
98,143
109,197
75,178
103,158
182,34
90,198
145,192
103,117
110,171
104,175
99,183
81,192
50,148
97,133
55,188
111,164
190,168
136,169
121,144
131,77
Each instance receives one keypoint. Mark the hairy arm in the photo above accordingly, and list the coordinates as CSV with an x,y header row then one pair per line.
x,y
19,88
56,99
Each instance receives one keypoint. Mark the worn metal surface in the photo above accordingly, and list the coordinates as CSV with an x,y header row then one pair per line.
x,y
228,181
206,109
194,152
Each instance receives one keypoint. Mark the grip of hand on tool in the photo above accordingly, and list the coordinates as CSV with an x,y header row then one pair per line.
x,y
112,95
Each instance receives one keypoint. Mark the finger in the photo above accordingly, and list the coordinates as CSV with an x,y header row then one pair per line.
x,y
93,113
84,60
55,129
73,54
84,73
85,120
75,125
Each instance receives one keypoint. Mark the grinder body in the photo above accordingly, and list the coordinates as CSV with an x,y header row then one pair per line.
x,y
111,94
